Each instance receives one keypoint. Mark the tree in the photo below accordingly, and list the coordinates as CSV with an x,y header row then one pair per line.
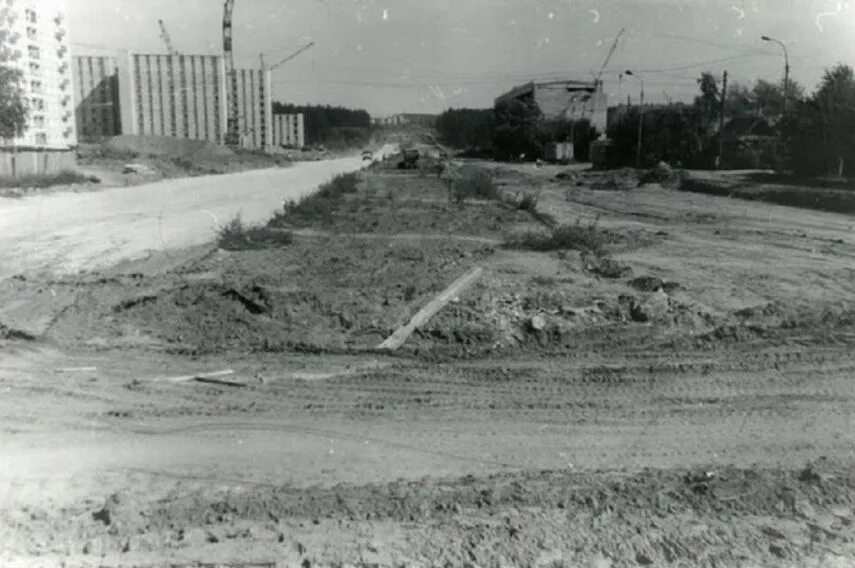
x,y
708,102
768,97
13,110
739,100
835,98
466,127
819,133
515,129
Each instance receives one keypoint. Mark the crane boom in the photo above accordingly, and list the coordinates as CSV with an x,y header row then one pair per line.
x,y
609,56
232,134
292,56
164,35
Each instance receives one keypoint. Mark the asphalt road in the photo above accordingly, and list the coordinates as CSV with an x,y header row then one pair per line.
x,y
67,232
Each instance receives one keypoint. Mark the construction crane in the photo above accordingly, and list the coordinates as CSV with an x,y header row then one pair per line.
x,y
599,76
232,134
292,56
164,35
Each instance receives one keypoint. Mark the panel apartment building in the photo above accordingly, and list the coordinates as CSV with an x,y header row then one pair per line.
x,y
181,96
35,40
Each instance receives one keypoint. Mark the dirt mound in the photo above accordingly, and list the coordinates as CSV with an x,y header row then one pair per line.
x,y
161,146
701,517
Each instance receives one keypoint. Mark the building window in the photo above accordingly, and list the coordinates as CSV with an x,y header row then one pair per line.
x,y
35,68
31,16
34,52
32,33
39,121
41,138
38,104
36,86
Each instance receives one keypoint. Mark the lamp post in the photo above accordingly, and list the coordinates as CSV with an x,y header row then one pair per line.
x,y
786,70
640,118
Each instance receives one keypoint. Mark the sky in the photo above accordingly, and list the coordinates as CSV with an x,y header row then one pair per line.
x,y
390,56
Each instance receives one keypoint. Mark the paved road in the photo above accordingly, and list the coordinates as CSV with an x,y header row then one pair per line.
x,y
67,232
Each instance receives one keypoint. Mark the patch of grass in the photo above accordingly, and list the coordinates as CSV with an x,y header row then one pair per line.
x,y
234,235
474,183
41,181
319,205
586,238
544,281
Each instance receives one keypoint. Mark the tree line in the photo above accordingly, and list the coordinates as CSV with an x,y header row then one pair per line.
x,y
330,125
813,134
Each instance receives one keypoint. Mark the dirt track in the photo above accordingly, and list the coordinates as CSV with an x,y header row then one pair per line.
x,y
733,394
67,232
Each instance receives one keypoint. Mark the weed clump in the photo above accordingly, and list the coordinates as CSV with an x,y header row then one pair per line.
x,y
41,181
576,236
235,236
474,183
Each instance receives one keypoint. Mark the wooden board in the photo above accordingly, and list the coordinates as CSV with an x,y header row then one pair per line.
x,y
456,288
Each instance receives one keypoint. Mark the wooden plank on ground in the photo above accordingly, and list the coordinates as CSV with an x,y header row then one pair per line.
x,y
185,378
455,289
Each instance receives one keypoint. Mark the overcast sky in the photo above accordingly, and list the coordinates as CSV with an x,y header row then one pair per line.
x,y
425,55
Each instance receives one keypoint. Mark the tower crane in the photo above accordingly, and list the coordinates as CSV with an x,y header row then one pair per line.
x,y
232,134
599,75
290,57
164,35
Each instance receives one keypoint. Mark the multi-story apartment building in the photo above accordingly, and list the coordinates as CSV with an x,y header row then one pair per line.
x,y
37,43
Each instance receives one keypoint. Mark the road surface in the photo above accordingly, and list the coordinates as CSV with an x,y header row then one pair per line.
x,y
68,232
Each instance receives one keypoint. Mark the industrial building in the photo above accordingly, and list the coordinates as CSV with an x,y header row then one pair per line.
x,y
181,96
565,99
37,43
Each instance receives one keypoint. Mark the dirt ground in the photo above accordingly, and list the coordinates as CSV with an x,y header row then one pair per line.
x,y
692,408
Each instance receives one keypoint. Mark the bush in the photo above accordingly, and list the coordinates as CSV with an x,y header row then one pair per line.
x,y
472,182
41,181
528,203
585,238
235,236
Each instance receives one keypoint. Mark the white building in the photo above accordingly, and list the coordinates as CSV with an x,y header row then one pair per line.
x,y
34,35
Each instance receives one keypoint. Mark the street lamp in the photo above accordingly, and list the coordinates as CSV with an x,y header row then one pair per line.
x,y
786,70
640,118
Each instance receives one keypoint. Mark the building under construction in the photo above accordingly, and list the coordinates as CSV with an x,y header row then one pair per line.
x,y
182,96
565,100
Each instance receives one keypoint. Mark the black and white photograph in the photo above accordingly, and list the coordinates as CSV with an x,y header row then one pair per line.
x,y
427,283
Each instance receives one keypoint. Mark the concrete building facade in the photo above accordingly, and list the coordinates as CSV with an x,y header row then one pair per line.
x,y
565,99
289,130
36,40
96,97
182,96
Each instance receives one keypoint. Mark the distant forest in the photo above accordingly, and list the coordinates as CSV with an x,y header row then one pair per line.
x,y
330,125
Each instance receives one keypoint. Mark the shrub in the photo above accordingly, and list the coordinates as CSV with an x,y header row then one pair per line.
x,y
586,238
472,182
235,236
528,203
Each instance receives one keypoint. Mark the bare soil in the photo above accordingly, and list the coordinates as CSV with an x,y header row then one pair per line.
x,y
694,410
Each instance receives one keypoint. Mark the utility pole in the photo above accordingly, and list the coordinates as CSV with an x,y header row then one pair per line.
x,y
721,121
